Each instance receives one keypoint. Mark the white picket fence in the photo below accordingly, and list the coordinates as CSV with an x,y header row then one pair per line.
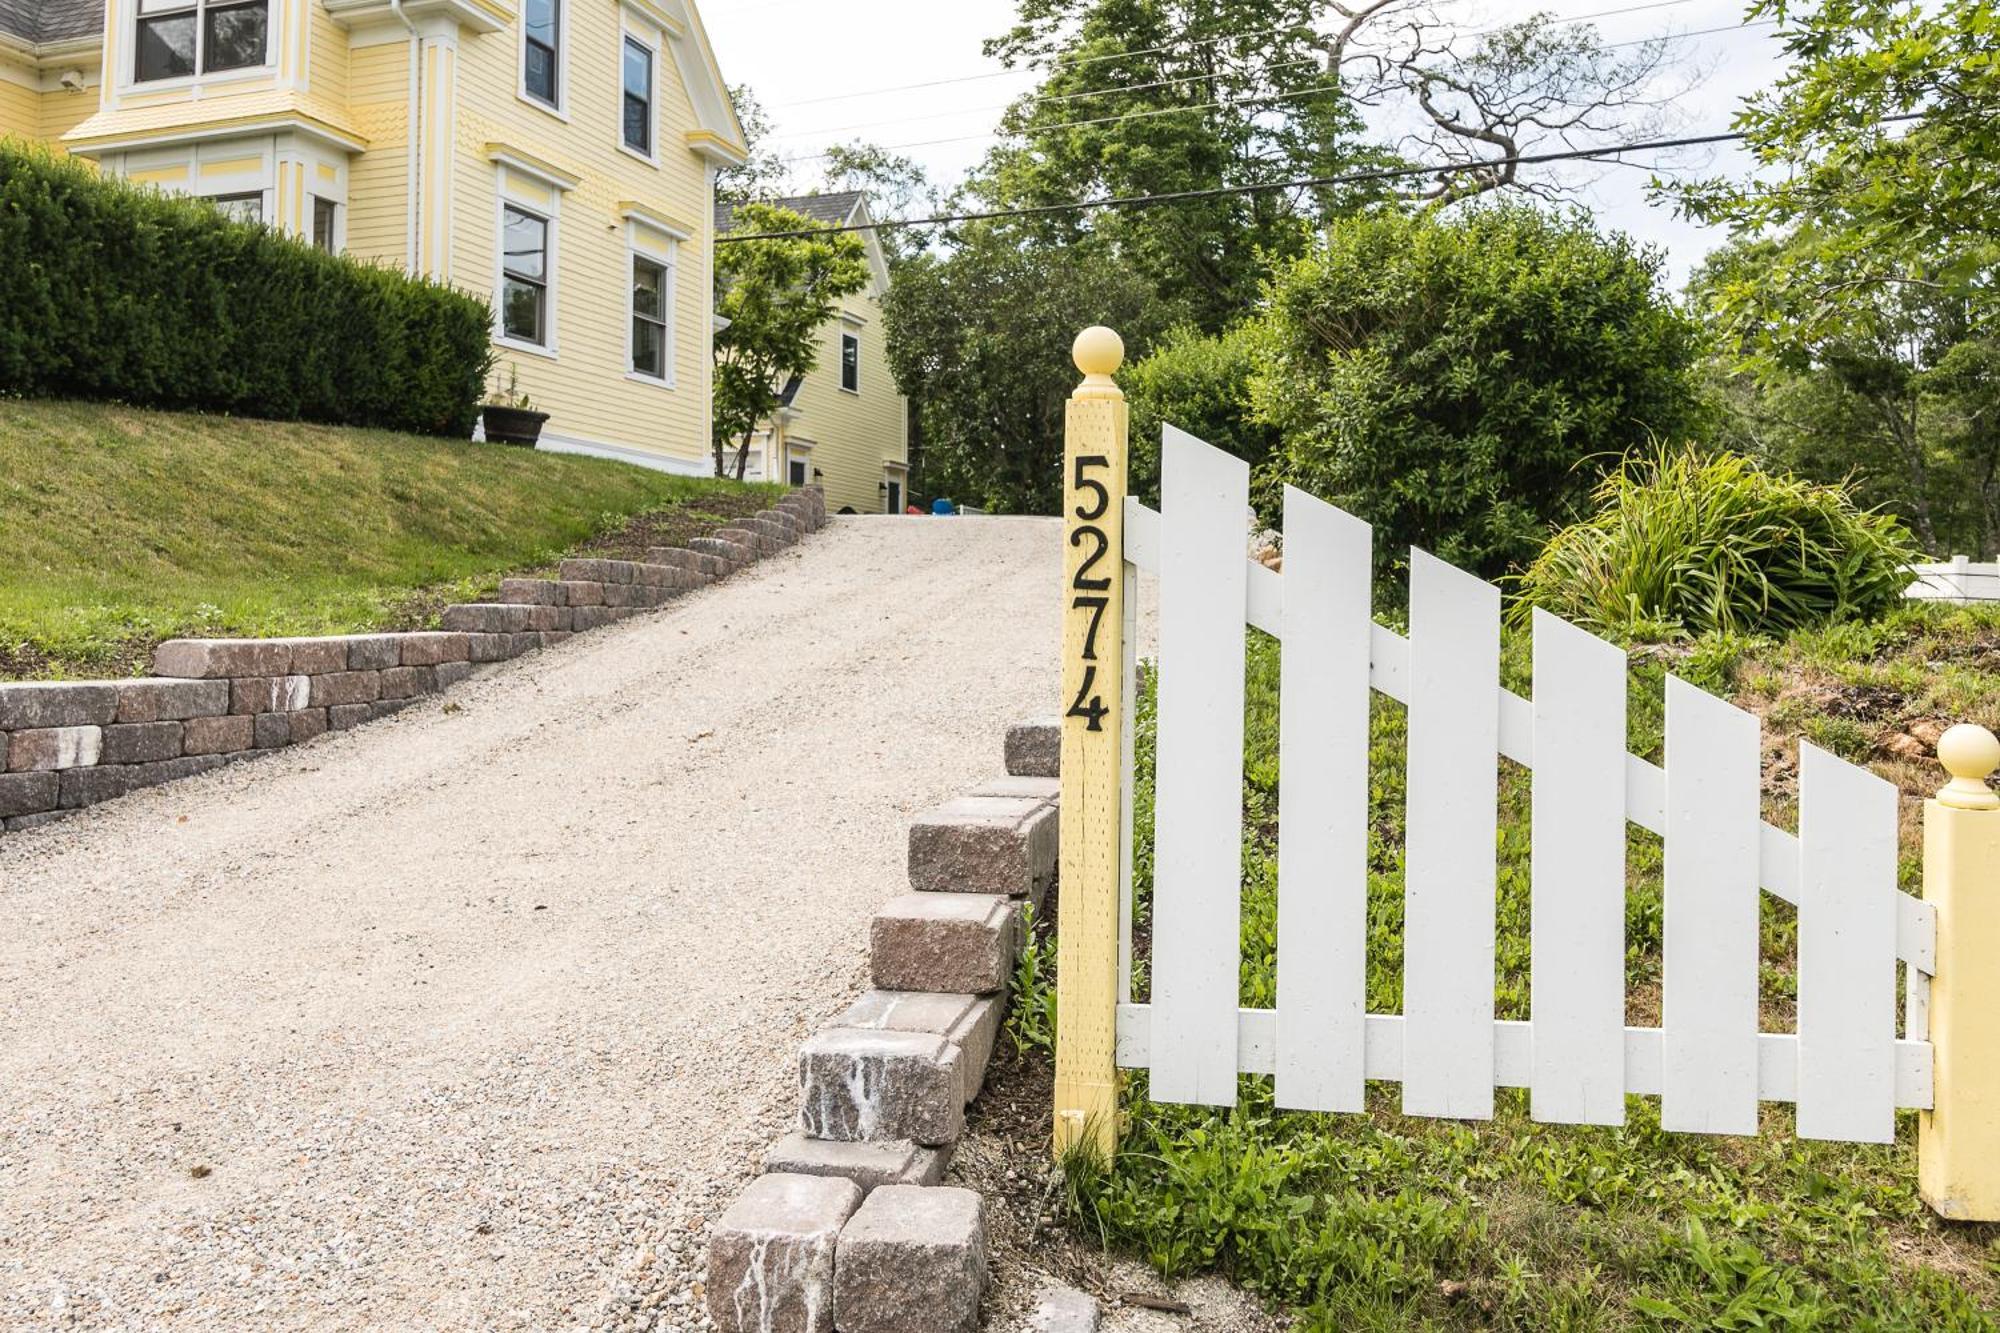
x,y
1845,1067
1955,580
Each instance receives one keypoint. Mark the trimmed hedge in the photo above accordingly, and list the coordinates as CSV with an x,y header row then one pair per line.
x,y
113,292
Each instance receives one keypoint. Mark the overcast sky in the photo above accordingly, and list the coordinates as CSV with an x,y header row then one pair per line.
x,y
832,73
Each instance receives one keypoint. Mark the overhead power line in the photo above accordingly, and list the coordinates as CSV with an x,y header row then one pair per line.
x,y
1268,187
1243,101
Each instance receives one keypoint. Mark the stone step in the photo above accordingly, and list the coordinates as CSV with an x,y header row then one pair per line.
x,y
860,1086
986,844
948,943
1034,749
912,1259
1046,790
869,1165
704,568
504,618
970,1022
743,534
532,592
771,1255
732,553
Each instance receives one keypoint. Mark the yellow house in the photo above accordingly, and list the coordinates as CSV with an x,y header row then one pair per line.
x,y
845,426
555,156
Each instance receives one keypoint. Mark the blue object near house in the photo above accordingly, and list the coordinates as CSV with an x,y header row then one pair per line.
x,y
943,508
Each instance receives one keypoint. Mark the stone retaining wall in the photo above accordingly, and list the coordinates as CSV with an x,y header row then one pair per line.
x,y
68,744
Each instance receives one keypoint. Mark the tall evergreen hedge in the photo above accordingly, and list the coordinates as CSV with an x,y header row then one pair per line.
x,y
113,292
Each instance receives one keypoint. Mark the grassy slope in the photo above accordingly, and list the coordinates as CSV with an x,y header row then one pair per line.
x,y
1378,1221
119,527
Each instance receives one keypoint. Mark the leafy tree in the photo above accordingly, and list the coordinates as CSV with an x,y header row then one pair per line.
x,y
763,174
1201,385
979,338
897,187
776,295
1462,383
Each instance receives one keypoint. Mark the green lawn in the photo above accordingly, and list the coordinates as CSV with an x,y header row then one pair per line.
x,y
121,527
1378,1221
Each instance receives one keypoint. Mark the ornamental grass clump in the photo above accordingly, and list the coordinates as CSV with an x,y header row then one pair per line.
x,y
1688,543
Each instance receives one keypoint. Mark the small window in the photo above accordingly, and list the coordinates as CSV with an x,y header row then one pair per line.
x,y
524,287
542,44
649,318
177,39
325,213
240,207
638,97
850,362
798,472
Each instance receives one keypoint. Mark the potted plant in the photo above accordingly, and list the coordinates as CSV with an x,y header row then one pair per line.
x,y
510,415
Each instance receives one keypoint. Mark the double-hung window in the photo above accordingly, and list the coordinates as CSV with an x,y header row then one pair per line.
x,y
638,127
541,50
524,285
246,207
652,289
850,362
180,38
325,215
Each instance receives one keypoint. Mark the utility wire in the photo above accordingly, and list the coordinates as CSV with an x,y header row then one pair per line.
x,y
1267,187
1245,101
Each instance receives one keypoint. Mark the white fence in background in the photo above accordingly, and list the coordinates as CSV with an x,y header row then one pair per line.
x,y
1955,580
1844,1067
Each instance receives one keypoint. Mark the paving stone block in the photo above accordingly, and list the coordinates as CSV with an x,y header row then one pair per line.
x,y
272,731
383,707
20,823
91,786
780,534
896,1162
951,943
340,717
985,844
29,793
432,648
251,695
912,1259
596,571
733,554
550,638
1064,1310
865,1086
171,700
749,537
668,577
644,596
308,723
213,659
593,617
576,592
50,749
345,687
969,1022
54,703
502,618
771,1256
450,673
1034,749
408,682
532,592
1046,790
315,657
218,735
785,519
140,743
374,652
706,568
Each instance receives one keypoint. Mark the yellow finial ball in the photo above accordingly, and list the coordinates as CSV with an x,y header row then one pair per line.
x,y
1098,351
1969,751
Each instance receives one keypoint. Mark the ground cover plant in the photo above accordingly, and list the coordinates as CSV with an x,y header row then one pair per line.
x,y
121,527
1379,1221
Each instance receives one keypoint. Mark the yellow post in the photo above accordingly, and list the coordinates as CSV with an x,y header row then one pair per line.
x,y
1092,787
1958,1139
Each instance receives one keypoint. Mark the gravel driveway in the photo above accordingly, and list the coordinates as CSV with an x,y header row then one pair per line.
x,y
468,1018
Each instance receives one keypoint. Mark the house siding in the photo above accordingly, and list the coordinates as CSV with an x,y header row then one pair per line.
x,y
853,434
378,181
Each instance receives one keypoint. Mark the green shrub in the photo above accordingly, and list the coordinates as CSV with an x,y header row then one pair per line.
x,y
1202,385
113,292
1683,543
1455,380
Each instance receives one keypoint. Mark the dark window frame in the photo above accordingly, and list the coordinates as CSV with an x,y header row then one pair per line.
x,y
552,98
627,98
511,276
850,361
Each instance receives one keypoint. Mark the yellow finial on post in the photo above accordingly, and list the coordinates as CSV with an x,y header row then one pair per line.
x,y
1958,1139
1093,666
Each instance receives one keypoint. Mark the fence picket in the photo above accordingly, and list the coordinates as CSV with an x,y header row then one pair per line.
x,y
1323,808
1197,885
1577,839
1709,969
1449,829
1847,951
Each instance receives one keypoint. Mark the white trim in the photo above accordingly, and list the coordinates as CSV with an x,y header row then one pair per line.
x,y
543,173
703,466
849,317
127,80
845,338
652,49
561,108
550,215
669,293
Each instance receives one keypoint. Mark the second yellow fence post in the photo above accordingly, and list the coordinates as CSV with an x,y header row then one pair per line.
x,y
1095,438
1958,1139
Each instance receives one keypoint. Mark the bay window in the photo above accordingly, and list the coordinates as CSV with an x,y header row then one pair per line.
x,y
181,38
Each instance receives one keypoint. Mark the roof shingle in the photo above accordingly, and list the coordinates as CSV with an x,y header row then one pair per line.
x,y
40,21
832,209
